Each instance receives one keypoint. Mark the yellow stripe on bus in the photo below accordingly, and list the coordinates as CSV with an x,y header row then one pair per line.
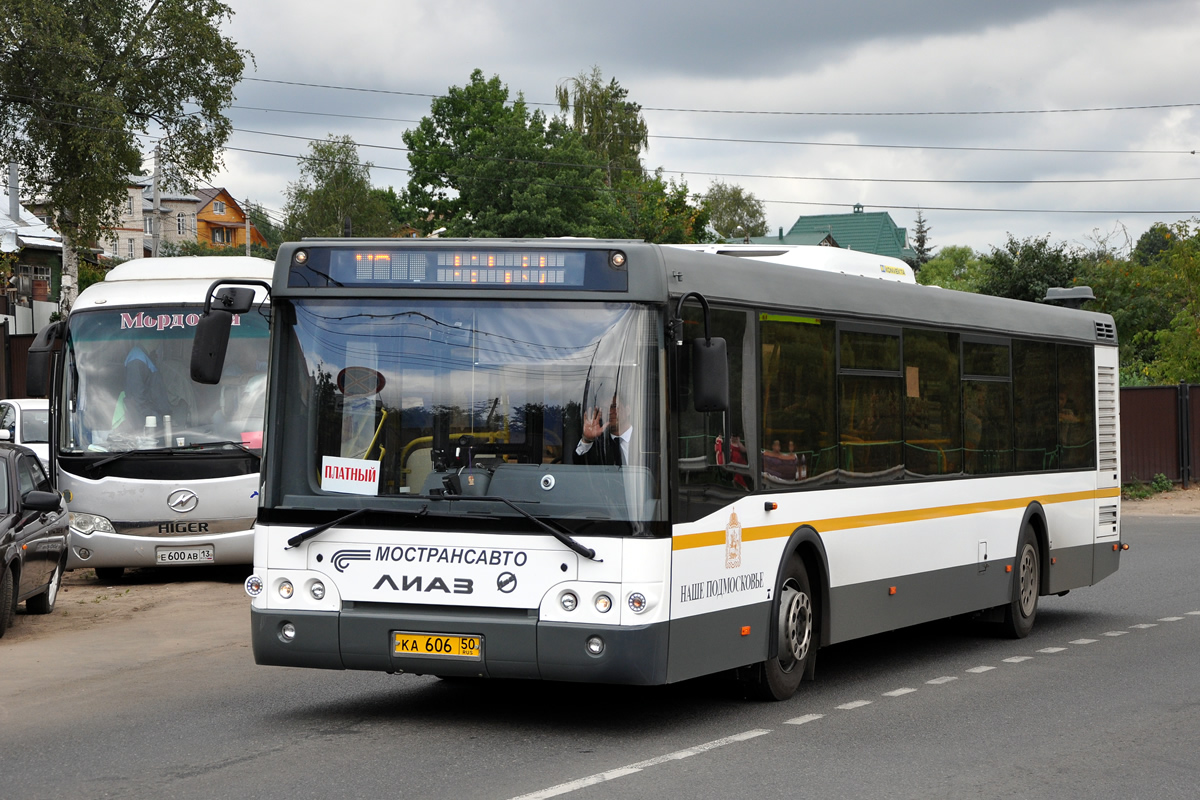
x,y
758,533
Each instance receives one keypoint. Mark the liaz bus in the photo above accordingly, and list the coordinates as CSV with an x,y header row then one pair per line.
x,y
157,470
610,461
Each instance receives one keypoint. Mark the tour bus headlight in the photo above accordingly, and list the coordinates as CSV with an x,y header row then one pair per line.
x,y
603,603
254,586
317,590
287,631
286,589
595,645
637,602
90,523
569,601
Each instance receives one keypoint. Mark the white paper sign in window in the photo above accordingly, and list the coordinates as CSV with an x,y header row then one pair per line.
x,y
349,475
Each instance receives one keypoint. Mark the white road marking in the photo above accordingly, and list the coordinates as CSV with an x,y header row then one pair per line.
x,y
1017,659
854,704
1193,613
1115,633
980,669
898,692
1144,625
620,772
1082,641
804,720
1052,649
1170,619
943,679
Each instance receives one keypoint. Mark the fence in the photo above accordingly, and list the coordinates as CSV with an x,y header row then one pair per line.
x,y
1160,432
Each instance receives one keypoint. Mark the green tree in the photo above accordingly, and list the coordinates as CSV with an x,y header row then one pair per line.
x,y
80,81
335,186
482,165
270,230
611,125
657,210
734,213
922,252
955,267
1024,270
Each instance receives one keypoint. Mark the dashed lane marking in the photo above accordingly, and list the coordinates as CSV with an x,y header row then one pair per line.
x,y
1170,619
941,680
620,772
899,692
1082,641
1017,659
1115,633
807,718
854,704
980,669
1052,649
1143,626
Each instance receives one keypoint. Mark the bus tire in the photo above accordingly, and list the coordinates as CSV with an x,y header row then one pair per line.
x,y
44,602
109,574
8,599
778,678
1021,611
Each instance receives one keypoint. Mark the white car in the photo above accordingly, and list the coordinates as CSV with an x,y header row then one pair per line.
x,y
27,421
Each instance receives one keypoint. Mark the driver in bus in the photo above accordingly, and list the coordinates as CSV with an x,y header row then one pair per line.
x,y
145,394
605,442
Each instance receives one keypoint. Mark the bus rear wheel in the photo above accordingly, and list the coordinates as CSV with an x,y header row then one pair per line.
x,y
778,678
1021,611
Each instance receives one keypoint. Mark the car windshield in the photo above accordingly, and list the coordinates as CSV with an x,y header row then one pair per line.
x,y
126,382
554,405
35,426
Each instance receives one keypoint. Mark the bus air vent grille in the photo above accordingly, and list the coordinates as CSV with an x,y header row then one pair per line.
x,y
1106,401
1108,515
1106,332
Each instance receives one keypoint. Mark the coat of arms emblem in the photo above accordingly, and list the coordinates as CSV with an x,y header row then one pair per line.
x,y
733,542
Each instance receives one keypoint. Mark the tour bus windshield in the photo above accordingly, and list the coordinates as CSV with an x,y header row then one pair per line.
x,y
127,385
549,404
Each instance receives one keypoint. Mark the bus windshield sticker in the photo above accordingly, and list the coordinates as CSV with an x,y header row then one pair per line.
x,y
349,475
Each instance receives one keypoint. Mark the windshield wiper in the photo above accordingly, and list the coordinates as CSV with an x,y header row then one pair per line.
x,y
304,536
198,447
557,531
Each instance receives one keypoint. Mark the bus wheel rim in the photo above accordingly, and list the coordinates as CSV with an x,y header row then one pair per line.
x,y
795,627
1028,580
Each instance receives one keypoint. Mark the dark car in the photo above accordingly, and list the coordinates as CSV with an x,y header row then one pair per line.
x,y
33,535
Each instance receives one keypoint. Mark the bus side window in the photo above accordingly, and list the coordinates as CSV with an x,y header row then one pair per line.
x,y
869,390
1076,407
932,431
712,472
1035,411
798,400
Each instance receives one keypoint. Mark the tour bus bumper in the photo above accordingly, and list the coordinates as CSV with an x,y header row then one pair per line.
x,y
515,644
122,550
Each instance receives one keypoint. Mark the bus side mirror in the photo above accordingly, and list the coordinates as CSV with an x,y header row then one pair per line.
x,y
37,369
212,332
710,375
209,347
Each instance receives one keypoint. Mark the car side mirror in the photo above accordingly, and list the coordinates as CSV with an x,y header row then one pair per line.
x,y
5,435
43,502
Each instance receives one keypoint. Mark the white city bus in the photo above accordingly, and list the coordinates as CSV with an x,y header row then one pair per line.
x,y
517,459
157,469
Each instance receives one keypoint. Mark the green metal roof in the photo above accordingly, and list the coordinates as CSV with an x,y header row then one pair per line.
x,y
866,231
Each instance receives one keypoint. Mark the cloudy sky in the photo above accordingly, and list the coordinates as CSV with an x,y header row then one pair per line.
x,y
1073,118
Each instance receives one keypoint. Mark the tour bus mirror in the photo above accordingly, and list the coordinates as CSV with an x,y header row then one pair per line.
x,y
209,346
710,375
37,370
234,299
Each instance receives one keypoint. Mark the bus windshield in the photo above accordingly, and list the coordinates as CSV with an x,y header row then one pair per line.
x,y
550,404
126,384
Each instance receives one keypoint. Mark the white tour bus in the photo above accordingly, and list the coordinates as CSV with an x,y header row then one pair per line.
x,y
611,461
156,469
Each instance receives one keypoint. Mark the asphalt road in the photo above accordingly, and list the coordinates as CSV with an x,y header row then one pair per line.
x,y
1101,701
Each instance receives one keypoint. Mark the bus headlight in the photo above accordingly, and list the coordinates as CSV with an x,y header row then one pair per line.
x,y
603,603
90,523
637,602
254,586
286,589
317,590
568,601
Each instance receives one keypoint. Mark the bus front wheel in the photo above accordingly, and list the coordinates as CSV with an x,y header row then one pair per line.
x,y
1021,611
778,678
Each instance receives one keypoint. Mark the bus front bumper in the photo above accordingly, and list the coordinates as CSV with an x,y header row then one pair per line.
x,y
122,550
515,644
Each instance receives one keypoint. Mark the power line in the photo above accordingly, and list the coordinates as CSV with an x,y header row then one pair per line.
x,y
1030,111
